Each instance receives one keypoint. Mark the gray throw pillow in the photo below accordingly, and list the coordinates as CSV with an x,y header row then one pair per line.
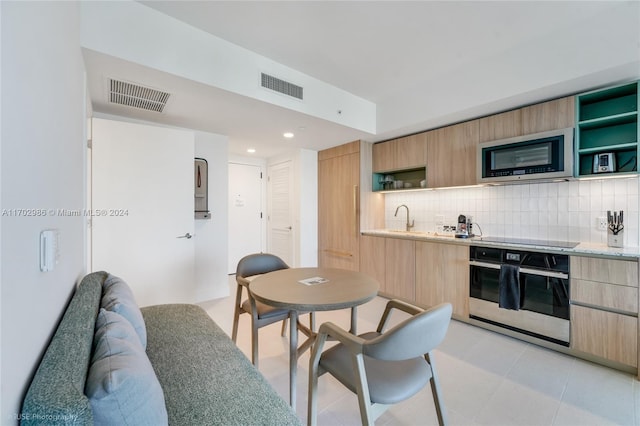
x,y
121,384
118,297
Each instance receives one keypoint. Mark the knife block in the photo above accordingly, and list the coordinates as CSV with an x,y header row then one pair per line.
x,y
615,240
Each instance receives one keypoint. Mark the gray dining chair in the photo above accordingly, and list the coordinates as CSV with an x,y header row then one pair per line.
x,y
383,368
261,314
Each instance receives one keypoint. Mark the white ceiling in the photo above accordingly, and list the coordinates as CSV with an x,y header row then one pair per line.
x,y
423,63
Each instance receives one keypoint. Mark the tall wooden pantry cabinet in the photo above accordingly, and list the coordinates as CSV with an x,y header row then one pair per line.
x,y
345,204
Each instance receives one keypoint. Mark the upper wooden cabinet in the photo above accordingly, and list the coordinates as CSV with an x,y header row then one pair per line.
x,y
400,154
552,115
500,126
451,155
384,155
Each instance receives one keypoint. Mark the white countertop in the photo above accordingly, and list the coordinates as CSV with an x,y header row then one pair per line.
x,y
582,249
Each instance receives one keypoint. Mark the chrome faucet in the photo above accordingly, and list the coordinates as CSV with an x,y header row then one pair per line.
x,y
409,225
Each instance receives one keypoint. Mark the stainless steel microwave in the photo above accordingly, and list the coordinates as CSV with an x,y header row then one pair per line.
x,y
546,155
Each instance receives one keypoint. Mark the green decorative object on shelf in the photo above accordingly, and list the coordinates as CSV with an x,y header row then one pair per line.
x,y
607,123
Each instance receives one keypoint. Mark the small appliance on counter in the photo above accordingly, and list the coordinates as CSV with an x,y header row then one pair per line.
x,y
604,162
615,228
464,229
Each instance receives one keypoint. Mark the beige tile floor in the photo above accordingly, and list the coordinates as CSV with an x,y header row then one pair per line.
x,y
487,379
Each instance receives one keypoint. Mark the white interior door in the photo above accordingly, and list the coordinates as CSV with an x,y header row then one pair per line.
x,y
245,212
280,228
143,202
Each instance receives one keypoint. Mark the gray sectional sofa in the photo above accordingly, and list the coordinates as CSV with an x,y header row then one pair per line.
x,y
112,363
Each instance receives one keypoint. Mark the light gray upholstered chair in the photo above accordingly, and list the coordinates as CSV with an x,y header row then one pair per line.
x,y
383,368
261,314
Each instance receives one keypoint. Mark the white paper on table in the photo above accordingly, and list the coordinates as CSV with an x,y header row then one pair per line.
x,y
313,281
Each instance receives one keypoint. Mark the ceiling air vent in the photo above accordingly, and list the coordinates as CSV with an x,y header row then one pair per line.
x,y
281,86
133,95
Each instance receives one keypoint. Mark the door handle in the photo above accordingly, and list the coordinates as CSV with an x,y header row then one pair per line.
x,y
187,236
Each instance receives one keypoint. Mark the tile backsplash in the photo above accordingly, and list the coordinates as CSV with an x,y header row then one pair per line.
x,y
558,211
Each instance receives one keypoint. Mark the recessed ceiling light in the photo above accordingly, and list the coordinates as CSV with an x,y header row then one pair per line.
x,y
251,150
288,135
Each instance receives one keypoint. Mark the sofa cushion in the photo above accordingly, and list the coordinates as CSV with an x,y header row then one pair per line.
x,y
206,379
118,297
121,385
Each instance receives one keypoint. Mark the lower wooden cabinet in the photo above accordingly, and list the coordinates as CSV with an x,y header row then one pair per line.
x,y
391,261
442,275
609,335
372,258
420,272
604,308
400,268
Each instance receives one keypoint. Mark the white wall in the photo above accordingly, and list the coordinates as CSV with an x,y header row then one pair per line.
x,y
43,148
211,240
562,211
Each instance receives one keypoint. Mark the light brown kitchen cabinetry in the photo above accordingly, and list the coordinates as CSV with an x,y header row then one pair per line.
x,y
542,117
338,207
604,308
400,268
384,156
451,155
400,154
605,334
372,258
442,275
551,115
500,126
391,261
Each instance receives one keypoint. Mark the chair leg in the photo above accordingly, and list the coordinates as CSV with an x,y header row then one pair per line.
x,y
362,388
314,372
312,404
236,313
437,393
254,336
283,332
312,321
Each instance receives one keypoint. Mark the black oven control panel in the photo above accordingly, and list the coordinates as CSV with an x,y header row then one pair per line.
x,y
528,259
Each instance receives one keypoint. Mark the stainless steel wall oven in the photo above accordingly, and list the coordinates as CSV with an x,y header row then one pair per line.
x,y
543,287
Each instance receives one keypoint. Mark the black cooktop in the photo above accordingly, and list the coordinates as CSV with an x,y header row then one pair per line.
x,y
529,242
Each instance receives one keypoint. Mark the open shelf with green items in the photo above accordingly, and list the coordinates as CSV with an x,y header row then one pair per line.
x,y
607,123
401,180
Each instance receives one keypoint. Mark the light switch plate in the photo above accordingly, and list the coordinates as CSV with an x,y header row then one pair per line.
x,y
48,249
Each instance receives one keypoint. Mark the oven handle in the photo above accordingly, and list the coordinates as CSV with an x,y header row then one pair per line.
x,y
549,274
